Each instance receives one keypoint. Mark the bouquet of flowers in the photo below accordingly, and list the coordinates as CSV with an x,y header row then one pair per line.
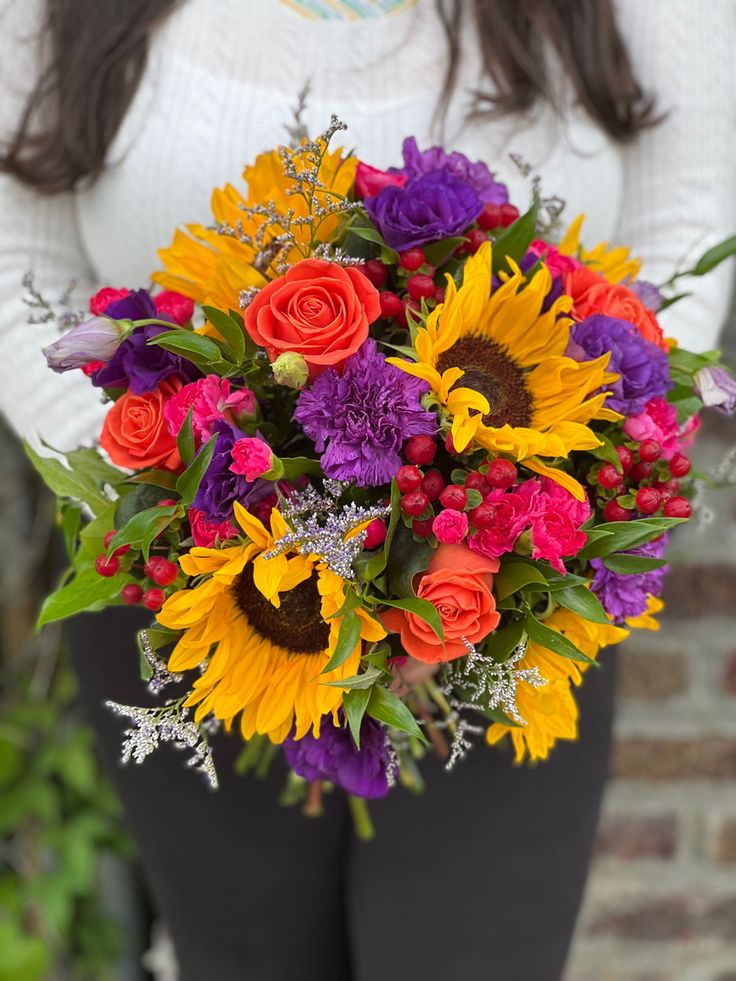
x,y
370,421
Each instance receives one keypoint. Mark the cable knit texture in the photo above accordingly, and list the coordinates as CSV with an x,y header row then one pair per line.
x,y
220,85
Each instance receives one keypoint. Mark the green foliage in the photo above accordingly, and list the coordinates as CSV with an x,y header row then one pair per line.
x,y
514,241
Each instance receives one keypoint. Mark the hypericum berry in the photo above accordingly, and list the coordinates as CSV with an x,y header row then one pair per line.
x,y
165,502
509,214
420,450
648,500
449,445
433,484
501,474
680,465
439,294
614,512
668,488
454,497
408,479
420,287
678,507
641,471
476,237
131,594
626,457
484,515
476,481
162,571
407,305
649,450
153,599
609,477
376,272
106,567
412,259
422,528
375,533
118,551
390,305
490,217
414,503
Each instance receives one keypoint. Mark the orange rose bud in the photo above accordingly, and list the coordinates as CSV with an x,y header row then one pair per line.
x,y
592,293
317,309
135,434
458,583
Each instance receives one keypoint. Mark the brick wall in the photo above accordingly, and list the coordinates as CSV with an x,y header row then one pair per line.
x,y
661,901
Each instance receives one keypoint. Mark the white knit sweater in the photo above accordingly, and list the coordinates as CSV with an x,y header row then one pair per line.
x,y
221,81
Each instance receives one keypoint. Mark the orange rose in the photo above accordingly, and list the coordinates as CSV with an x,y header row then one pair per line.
x,y
317,309
458,584
591,293
135,434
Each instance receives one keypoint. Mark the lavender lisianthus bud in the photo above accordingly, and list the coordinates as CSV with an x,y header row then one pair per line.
x,y
96,339
716,387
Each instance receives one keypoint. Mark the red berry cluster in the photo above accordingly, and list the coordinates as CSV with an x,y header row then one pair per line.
x,y
645,483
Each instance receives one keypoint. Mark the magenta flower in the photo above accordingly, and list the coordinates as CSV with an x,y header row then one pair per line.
x,y
657,421
209,533
513,511
210,400
251,457
450,526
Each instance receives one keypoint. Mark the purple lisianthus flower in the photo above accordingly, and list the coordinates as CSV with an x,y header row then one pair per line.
x,y
364,772
96,339
432,207
360,419
627,596
716,387
641,365
139,367
220,487
648,293
418,162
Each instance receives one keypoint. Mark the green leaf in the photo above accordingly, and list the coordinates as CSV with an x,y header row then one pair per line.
x,y
503,642
384,706
584,602
421,608
188,483
359,681
86,591
185,439
553,640
370,234
193,347
626,534
231,332
407,559
68,483
714,256
89,462
514,241
377,563
354,704
607,452
439,252
513,575
71,519
140,530
156,478
348,637
498,715
300,466
628,565
142,496
671,300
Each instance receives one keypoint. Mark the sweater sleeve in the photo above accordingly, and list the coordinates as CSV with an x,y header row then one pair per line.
x,y
680,179
38,234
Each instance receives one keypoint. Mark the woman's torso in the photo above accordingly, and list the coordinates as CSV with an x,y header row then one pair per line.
x,y
221,85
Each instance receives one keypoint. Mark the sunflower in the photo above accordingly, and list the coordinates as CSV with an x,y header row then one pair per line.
x,y
213,268
265,629
495,361
615,264
551,712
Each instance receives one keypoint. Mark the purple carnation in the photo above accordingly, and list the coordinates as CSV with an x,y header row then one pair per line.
x,y
432,207
135,365
626,596
642,366
418,162
220,487
363,417
363,772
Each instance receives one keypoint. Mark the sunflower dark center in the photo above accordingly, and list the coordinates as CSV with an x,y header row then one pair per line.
x,y
296,625
490,370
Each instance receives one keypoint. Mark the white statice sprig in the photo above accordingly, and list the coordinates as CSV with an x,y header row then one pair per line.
x,y
161,676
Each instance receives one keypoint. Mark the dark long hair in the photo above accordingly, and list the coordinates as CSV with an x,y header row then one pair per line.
x,y
98,48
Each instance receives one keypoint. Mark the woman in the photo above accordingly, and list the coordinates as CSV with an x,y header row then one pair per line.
x,y
484,873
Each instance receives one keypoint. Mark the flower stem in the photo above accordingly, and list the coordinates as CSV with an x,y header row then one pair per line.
x,y
362,822
313,803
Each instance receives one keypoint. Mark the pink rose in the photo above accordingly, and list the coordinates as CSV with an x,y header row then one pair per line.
x,y
657,421
450,526
555,261
175,305
210,399
370,180
207,534
512,513
251,457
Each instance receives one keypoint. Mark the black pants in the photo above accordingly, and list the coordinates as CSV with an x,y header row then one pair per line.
x,y
481,877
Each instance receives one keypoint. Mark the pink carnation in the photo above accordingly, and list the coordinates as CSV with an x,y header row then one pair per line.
x,y
450,526
175,305
370,180
657,421
104,297
512,514
556,262
251,457
556,527
211,400
206,533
